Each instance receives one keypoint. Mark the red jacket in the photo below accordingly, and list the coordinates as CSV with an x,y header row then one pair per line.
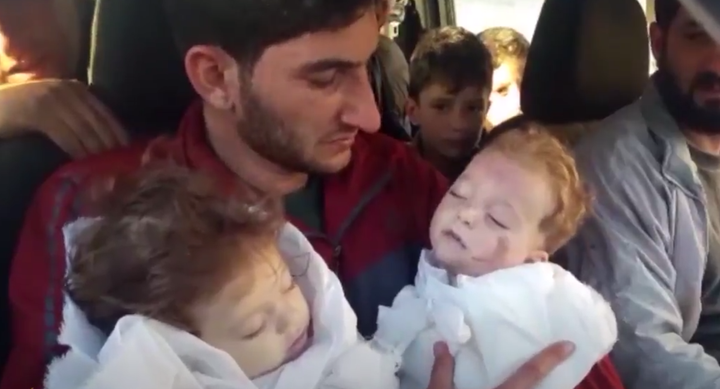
x,y
377,215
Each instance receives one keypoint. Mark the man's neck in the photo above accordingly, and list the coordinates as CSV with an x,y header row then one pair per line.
x,y
248,165
707,143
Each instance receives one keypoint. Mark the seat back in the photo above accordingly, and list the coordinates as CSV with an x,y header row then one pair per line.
x,y
588,58
135,67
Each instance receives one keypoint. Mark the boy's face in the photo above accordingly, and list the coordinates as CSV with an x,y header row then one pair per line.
x,y
450,123
490,218
261,319
505,96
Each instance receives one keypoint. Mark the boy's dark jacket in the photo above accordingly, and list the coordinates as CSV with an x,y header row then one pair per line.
x,y
377,215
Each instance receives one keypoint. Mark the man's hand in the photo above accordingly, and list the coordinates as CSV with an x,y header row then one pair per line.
x,y
527,377
63,110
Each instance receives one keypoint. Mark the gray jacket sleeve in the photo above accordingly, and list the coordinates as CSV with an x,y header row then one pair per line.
x,y
622,251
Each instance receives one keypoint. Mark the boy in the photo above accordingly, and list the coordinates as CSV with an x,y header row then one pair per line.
x,y
509,49
177,286
486,288
450,79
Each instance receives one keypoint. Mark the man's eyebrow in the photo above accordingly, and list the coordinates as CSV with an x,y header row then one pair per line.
x,y
692,25
328,64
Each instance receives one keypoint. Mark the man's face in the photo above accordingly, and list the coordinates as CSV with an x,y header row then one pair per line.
x,y
505,96
36,41
688,76
449,121
307,98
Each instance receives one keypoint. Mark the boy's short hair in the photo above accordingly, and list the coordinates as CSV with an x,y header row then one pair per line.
x,y
167,240
536,149
452,56
507,45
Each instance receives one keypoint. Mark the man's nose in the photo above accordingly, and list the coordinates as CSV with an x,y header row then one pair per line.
x,y
467,216
362,111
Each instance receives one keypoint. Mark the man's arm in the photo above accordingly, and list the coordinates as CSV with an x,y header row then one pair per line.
x,y
36,279
622,252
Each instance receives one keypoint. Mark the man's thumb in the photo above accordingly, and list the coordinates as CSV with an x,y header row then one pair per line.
x,y
441,376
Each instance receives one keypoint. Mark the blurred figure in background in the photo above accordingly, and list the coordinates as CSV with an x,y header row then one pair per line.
x,y
509,49
38,39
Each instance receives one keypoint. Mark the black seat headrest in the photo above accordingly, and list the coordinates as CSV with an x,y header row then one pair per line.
x,y
135,67
588,58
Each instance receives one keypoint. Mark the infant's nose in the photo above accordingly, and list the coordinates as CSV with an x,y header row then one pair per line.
x,y
467,216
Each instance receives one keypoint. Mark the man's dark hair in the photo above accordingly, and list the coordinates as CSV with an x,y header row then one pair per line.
x,y
452,56
245,28
665,12
507,45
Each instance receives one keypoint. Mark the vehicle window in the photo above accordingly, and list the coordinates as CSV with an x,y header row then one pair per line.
x,y
521,15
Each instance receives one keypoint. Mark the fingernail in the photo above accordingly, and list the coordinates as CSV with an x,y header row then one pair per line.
x,y
568,348
440,348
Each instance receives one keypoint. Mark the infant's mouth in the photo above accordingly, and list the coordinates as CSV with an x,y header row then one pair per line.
x,y
299,345
454,236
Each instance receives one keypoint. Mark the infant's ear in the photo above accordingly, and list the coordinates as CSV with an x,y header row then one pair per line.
x,y
537,256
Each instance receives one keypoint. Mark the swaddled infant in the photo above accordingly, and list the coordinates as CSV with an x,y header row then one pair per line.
x,y
177,285
486,287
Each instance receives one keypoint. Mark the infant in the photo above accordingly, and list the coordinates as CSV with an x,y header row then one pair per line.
x,y
176,286
486,287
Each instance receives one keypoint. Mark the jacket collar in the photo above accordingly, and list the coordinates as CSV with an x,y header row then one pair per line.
x,y
677,164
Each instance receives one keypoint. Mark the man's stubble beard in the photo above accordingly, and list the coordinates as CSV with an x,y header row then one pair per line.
x,y
682,105
269,136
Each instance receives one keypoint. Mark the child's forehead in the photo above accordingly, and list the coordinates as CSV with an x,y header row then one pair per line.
x,y
439,87
498,167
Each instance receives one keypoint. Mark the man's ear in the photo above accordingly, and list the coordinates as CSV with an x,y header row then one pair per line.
x,y
537,256
411,110
657,40
213,74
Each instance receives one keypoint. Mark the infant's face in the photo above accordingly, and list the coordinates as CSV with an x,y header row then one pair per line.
x,y
262,320
490,217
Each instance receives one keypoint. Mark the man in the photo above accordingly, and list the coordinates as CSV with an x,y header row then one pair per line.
x,y
286,106
653,245
509,50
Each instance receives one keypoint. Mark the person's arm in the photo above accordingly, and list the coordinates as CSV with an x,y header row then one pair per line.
x,y
35,287
63,110
622,252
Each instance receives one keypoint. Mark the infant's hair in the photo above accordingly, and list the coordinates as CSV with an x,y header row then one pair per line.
x,y
167,239
536,149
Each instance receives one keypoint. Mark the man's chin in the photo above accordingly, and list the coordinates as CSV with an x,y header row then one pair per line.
x,y
331,164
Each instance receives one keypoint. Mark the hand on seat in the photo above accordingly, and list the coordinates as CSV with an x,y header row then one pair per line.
x,y
527,377
63,110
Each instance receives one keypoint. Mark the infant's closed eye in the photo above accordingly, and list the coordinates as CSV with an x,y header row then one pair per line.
x,y
253,327
496,222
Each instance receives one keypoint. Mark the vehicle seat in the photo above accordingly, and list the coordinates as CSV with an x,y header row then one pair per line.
x,y
135,68
587,59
